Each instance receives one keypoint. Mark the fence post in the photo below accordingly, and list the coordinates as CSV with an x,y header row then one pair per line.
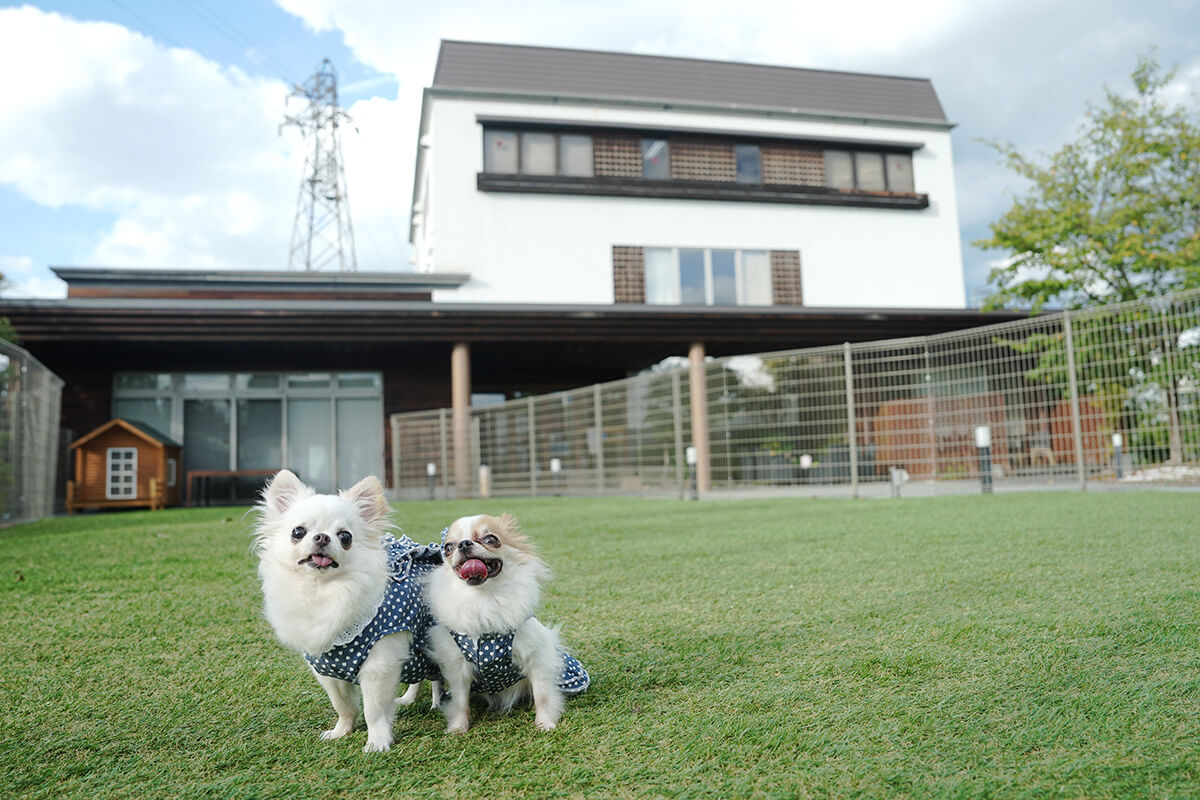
x,y
444,447
677,414
849,370
933,473
1077,434
532,452
598,423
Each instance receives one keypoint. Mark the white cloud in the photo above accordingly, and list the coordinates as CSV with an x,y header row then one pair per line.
x,y
23,279
185,152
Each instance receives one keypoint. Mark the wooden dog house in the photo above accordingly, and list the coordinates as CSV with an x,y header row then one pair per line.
x,y
125,464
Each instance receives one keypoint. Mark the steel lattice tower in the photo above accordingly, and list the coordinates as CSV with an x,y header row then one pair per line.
x,y
321,233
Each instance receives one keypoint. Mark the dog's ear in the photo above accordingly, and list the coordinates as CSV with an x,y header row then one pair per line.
x,y
284,491
367,496
509,522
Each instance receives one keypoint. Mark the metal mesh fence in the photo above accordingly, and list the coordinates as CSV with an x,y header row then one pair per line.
x,y
1110,394
30,398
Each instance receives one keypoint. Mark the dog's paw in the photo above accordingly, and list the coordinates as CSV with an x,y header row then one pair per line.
x,y
545,724
410,696
379,745
458,724
337,732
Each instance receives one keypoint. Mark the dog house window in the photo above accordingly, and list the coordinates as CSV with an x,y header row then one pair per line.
x,y
121,475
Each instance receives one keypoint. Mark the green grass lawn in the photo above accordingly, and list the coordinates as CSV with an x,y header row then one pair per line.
x,y
1041,645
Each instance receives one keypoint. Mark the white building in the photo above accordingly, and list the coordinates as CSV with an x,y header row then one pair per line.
x,y
578,177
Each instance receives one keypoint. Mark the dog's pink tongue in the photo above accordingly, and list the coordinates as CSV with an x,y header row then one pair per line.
x,y
472,569
321,561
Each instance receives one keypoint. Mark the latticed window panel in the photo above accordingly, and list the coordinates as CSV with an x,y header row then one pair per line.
x,y
793,165
785,278
700,160
629,274
617,156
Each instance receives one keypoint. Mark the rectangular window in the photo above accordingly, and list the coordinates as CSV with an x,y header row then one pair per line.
x,y
121,473
500,152
724,278
692,281
154,412
575,156
662,277
656,163
538,155
172,472
310,442
839,169
868,169
206,433
749,163
756,289
899,172
206,382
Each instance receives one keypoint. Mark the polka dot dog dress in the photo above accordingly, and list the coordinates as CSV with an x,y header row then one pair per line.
x,y
403,608
491,655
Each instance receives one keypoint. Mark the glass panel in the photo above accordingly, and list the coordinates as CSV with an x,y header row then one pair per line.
x,y
499,151
310,442
691,277
260,434
756,278
662,277
749,163
206,382
839,170
656,163
537,153
359,380
869,168
359,439
154,412
308,380
258,380
205,434
899,172
724,276
157,381
575,155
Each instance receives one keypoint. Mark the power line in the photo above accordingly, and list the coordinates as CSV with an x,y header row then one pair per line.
x,y
146,24
233,34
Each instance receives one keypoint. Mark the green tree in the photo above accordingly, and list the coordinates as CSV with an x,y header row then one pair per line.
x,y
1115,214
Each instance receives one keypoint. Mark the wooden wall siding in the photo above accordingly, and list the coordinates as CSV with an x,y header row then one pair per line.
x,y
785,278
629,274
699,160
91,475
617,156
793,165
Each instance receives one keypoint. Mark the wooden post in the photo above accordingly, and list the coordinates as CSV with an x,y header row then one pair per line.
x,y
460,402
70,497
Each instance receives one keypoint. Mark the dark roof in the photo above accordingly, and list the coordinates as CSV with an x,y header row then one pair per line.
x,y
626,76
120,279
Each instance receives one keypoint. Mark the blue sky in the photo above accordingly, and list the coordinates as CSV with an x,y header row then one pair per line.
x,y
147,133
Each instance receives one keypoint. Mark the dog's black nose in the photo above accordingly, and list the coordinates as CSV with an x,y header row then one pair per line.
x,y
465,544
321,539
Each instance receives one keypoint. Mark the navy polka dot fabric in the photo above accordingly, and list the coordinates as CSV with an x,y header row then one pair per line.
x,y
403,609
491,655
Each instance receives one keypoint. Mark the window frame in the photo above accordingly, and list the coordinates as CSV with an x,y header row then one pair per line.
x,y
128,459
739,276
557,136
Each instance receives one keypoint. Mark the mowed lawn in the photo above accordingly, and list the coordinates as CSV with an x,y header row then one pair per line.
x,y
1039,645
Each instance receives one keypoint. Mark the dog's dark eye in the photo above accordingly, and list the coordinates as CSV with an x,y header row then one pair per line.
x,y
345,537
448,548
490,541
298,533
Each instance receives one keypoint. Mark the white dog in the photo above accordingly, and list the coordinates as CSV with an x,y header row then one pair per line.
x,y
342,590
485,638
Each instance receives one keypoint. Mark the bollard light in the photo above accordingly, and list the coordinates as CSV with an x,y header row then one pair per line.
x,y
1117,442
806,461
983,440
431,469
555,465
693,458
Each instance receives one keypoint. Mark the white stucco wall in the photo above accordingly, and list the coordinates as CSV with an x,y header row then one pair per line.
x,y
552,248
